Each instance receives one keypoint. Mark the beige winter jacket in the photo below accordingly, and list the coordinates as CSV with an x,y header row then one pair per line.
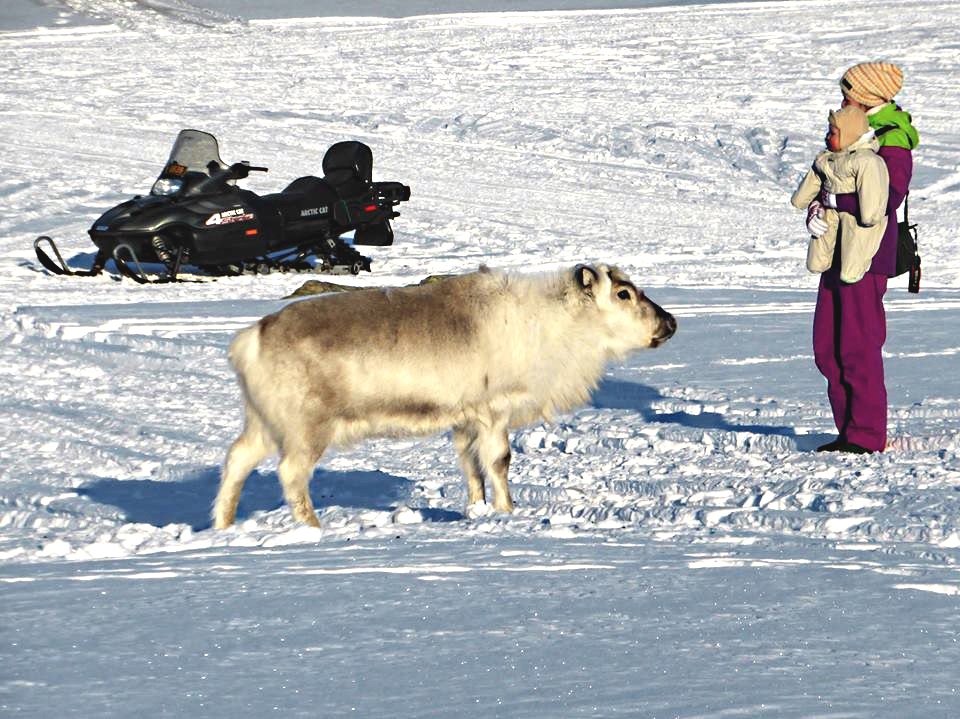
x,y
858,168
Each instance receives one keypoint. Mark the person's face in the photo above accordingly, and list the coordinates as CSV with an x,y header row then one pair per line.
x,y
847,101
833,138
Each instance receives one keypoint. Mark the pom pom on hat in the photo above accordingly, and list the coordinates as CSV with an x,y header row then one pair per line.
x,y
872,83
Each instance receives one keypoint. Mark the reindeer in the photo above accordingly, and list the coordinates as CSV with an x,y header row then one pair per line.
x,y
479,354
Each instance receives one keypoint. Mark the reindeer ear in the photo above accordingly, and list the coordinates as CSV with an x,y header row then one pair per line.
x,y
586,277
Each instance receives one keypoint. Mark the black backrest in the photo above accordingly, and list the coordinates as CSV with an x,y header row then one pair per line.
x,y
349,155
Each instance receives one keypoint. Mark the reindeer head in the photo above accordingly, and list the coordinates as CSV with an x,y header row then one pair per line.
x,y
626,318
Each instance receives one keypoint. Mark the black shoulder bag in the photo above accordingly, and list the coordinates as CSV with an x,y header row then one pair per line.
x,y
908,252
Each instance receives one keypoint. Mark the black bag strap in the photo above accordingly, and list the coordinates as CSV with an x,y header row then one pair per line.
x,y
912,229
884,129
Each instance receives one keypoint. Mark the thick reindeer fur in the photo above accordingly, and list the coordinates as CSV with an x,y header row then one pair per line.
x,y
480,354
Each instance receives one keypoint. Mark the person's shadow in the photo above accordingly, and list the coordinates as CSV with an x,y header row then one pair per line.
x,y
620,394
188,501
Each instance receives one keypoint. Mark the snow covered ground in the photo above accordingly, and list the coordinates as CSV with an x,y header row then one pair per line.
x,y
677,550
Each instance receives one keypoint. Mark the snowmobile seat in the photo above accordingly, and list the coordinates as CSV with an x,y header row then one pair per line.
x,y
348,167
304,197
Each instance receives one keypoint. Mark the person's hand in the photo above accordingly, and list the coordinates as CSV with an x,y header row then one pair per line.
x,y
816,225
828,199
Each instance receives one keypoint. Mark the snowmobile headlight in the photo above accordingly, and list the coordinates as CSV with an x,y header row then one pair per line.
x,y
166,186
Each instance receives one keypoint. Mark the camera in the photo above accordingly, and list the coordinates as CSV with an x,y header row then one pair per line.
x,y
914,284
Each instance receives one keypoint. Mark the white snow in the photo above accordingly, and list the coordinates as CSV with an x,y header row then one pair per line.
x,y
678,549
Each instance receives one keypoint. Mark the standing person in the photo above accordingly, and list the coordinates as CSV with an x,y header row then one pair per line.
x,y
849,325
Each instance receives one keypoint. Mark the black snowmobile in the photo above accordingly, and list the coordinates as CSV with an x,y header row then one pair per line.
x,y
195,214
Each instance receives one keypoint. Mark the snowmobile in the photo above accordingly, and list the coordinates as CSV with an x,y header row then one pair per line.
x,y
196,215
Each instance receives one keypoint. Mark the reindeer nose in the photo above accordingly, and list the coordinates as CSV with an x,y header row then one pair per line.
x,y
669,323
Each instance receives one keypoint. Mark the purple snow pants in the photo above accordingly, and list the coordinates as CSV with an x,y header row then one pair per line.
x,y
849,329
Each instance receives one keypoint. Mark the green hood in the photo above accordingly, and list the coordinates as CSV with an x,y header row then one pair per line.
x,y
905,135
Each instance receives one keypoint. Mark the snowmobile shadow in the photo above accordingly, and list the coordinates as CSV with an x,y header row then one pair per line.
x,y
188,501
81,261
619,394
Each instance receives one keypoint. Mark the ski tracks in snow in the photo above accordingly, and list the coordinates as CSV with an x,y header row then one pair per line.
x,y
126,410
665,141
585,133
677,549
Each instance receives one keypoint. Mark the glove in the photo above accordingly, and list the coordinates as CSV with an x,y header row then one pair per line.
x,y
816,225
828,199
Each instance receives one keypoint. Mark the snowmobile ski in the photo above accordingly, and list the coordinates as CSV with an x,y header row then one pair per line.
x,y
59,267
129,265
135,270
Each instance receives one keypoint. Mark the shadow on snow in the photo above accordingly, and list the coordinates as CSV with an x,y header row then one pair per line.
x,y
188,501
619,394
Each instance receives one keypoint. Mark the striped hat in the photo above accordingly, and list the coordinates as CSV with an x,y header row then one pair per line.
x,y
872,83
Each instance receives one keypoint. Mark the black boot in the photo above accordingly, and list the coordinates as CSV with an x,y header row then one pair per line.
x,y
833,446
853,448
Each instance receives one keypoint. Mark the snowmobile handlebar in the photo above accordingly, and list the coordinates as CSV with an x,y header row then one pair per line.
x,y
219,177
240,170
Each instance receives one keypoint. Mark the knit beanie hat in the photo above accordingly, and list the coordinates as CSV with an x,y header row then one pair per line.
x,y
872,83
852,123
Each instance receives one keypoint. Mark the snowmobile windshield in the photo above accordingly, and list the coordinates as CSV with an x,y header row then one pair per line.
x,y
194,153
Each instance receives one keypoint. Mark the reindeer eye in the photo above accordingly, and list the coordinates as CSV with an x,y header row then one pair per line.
x,y
623,294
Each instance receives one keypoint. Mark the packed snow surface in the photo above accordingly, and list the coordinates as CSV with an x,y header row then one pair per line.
x,y
678,549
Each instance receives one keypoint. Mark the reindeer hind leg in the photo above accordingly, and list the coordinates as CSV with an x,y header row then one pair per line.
x,y
300,455
247,451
